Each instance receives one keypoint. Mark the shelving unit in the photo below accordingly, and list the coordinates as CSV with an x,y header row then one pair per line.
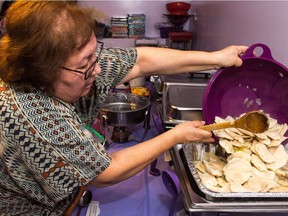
x,y
128,42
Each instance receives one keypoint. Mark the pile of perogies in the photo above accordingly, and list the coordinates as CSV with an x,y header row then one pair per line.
x,y
255,162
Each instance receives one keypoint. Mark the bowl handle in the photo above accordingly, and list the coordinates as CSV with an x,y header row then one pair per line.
x,y
250,52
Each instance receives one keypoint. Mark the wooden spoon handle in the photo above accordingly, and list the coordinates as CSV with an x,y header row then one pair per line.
x,y
219,126
75,201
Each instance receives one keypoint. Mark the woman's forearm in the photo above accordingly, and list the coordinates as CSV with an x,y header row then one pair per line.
x,y
173,61
129,161
156,61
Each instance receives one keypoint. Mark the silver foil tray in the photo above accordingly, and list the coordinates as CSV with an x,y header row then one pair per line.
x,y
229,196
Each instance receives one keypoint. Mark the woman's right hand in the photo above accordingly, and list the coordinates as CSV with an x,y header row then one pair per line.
x,y
229,56
188,132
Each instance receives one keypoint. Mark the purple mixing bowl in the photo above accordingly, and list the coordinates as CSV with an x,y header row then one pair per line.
x,y
261,83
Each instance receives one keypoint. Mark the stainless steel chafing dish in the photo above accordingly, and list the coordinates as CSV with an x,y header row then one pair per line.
x,y
214,196
182,97
181,100
199,201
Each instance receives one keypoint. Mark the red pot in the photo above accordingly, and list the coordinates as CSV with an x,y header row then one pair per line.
x,y
178,6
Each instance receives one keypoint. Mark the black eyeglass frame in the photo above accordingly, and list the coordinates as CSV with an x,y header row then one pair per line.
x,y
90,70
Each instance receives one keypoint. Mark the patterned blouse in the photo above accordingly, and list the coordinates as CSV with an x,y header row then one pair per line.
x,y
46,152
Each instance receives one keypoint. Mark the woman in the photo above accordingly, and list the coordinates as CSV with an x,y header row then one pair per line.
x,y
54,77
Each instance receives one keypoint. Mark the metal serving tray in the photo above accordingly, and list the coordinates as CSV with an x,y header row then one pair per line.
x,y
182,97
229,196
184,103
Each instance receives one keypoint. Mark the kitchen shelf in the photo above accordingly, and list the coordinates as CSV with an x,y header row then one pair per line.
x,y
128,42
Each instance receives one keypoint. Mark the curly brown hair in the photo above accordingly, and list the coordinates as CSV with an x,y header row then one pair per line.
x,y
40,37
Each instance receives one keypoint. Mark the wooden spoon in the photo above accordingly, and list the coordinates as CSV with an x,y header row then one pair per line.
x,y
254,121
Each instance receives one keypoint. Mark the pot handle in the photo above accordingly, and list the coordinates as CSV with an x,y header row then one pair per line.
x,y
121,94
250,52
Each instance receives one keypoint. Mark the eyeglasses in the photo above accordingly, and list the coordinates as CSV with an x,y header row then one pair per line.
x,y
90,70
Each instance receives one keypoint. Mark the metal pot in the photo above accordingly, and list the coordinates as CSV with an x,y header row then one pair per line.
x,y
124,109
